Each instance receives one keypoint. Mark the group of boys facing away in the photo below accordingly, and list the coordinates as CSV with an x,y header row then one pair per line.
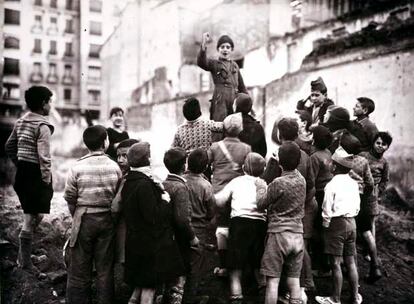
x,y
290,218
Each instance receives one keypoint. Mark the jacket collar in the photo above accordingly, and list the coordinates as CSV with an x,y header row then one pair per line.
x,y
37,118
172,176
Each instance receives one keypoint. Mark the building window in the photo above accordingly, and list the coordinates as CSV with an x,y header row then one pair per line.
x,y
38,2
11,17
11,43
94,73
53,3
37,75
11,91
53,28
69,26
11,67
95,28
53,47
52,75
68,49
94,50
67,75
37,26
95,6
37,46
67,95
69,4
94,97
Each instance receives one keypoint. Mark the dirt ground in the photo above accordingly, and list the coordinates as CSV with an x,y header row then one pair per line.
x,y
395,227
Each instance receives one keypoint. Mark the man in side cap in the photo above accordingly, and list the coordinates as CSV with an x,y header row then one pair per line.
x,y
340,207
227,78
317,103
253,132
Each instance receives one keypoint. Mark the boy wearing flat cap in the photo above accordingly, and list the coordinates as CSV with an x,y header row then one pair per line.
x,y
317,103
340,207
228,81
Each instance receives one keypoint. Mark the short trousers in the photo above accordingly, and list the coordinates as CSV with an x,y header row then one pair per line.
x,y
246,242
340,237
283,252
364,221
34,194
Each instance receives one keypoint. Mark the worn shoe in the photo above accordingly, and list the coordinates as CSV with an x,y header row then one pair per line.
x,y
325,300
359,299
284,298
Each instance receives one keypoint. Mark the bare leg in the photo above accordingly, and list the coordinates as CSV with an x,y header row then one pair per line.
x,y
235,283
294,287
135,296
372,247
337,277
28,220
147,296
272,290
352,276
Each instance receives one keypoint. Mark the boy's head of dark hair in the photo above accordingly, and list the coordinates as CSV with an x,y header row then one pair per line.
x,y
322,137
305,116
254,164
139,154
94,137
224,39
243,103
367,103
385,136
115,110
319,85
289,155
191,109
126,143
288,129
36,97
197,161
174,160
350,143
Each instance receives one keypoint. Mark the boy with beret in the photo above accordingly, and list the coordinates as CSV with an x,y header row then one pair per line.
x,y
340,207
152,257
29,148
285,204
90,188
253,132
247,224
175,185
228,81
227,158
195,132
317,103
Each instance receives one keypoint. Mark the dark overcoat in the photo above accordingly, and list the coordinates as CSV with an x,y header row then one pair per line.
x,y
151,253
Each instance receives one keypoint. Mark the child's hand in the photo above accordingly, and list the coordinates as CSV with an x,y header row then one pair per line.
x,y
206,38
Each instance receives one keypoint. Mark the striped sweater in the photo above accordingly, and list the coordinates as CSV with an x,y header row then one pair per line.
x,y
92,182
30,141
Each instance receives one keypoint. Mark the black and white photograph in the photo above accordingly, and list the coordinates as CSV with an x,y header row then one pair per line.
x,y
206,151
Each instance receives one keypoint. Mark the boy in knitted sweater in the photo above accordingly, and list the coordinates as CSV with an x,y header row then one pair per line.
x,y
285,204
29,148
247,224
90,188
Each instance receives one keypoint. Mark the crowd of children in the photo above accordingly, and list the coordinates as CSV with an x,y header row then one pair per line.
x,y
281,220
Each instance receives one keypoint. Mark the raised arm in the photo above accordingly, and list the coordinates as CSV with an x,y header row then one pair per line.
x,y
202,60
